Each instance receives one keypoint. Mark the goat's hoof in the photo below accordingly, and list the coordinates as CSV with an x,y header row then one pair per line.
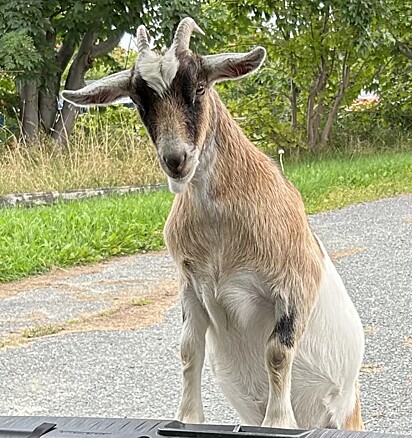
x,y
190,418
280,424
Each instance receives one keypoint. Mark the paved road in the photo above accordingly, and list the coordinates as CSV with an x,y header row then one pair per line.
x,y
135,373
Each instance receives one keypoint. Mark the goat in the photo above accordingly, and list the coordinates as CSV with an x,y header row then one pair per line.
x,y
258,291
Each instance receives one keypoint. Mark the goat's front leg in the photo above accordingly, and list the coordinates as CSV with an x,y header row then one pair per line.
x,y
192,350
280,352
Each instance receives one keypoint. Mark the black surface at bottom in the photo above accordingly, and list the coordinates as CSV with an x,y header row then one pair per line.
x,y
77,427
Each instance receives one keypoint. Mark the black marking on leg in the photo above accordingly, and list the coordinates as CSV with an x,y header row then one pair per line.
x,y
285,328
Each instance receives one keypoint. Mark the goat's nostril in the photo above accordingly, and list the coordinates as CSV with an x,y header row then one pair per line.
x,y
175,162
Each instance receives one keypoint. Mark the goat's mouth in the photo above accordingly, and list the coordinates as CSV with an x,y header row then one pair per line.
x,y
181,176
180,172
179,182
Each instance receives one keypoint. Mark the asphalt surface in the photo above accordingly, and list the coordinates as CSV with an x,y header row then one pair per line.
x,y
136,373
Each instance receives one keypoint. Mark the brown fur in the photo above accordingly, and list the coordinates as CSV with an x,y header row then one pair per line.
x,y
237,214
254,218
258,212
237,231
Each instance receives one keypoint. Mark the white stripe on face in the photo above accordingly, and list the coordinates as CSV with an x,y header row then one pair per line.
x,y
158,71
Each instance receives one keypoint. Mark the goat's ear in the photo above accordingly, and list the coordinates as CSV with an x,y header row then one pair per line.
x,y
102,92
230,66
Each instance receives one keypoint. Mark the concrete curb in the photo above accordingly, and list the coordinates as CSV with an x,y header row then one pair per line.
x,y
49,198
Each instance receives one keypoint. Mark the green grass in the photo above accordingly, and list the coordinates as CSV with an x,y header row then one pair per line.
x,y
141,301
332,183
37,332
35,240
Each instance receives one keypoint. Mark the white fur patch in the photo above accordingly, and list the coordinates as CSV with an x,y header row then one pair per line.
x,y
242,316
158,70
176,186
179,186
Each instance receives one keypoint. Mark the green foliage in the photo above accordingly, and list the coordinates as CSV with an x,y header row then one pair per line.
x,y
311,46
18,53
22,27
260,106
118,59
304,39
32,32
8,95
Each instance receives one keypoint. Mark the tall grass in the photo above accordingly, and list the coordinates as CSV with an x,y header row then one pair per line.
x,y
111,148
97,155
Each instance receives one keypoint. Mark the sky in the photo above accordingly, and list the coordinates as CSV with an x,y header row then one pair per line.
x,y
127,40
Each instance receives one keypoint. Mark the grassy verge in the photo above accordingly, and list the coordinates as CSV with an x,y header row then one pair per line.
x,y
331,183
35,240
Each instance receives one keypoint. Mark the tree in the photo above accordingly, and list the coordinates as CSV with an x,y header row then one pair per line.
x,y
393,64
40,40
318,53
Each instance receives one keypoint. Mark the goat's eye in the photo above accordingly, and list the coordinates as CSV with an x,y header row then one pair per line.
x,y
200,90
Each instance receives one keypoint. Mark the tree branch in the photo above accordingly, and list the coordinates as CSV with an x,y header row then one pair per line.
x,y
344,84
318,86
325,21
285,36
86,45
403,49
65,53
360,69
106,46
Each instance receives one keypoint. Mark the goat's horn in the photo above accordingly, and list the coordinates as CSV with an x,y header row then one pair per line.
x,y
142,36
183,33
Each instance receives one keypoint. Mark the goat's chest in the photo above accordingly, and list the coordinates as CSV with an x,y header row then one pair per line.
x,y
199,241
189,232
211,256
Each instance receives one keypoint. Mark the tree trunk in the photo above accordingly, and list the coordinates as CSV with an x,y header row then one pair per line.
x,y
29,94
293,93
48,108
48,98
317,87
336,104
404,49
310,133
83,61
318,114
75,80
294,105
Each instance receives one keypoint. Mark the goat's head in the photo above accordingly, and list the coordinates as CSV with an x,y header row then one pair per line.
x,y
172,92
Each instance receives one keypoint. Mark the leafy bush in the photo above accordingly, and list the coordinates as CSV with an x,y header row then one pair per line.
x,y
262,109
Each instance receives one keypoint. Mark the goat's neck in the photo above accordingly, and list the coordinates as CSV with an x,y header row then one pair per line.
x,y
229,164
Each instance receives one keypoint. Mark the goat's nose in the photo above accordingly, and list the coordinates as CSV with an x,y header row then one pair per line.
x,y
174,162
